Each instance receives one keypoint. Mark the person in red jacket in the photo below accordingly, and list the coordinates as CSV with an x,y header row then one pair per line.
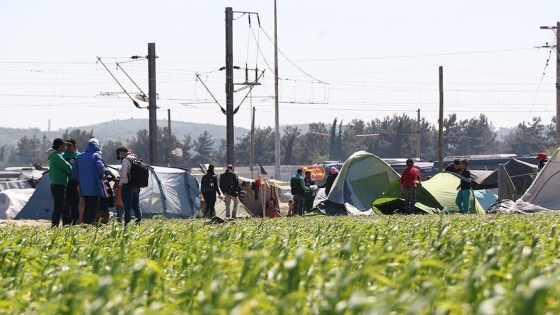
x,y
410,178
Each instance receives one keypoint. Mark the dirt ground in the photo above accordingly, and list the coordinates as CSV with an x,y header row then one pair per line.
x,y
24,223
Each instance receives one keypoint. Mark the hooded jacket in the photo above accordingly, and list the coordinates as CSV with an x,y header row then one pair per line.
x,y
89,169
59,169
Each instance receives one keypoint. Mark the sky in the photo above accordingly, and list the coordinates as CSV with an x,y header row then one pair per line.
x,y
348,60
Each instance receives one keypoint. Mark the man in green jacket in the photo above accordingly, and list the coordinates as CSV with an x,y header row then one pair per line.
x,y
298,189
59,172
71,214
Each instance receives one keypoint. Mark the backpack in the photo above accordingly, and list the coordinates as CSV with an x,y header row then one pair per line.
x,y
207,184
138,174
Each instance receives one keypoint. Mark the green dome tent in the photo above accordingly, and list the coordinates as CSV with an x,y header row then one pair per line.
x,y
362,179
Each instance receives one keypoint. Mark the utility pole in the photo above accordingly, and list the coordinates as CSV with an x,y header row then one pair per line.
x,y
556,29
229,86
418,137
252,155
276,108
152,107
440,137
169,155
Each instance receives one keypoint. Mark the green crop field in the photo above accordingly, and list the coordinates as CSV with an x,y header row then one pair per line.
x,y
470,264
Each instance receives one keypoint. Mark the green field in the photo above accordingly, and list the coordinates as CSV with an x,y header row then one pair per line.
x,y
454,264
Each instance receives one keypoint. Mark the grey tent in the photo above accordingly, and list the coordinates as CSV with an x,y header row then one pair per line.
x,y
171,192
521,173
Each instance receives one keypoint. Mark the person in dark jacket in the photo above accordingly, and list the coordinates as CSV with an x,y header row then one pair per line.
x,y
209,189
229,185
330,180
89,170
298,189
454,167
59,172
71,214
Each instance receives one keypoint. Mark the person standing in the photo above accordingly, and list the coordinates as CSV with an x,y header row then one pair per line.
x,y
298,189
229,185
309,195
454,167
71,214
464,193
209,189
130,194
333,174
541,158
59,173
89,170
410,179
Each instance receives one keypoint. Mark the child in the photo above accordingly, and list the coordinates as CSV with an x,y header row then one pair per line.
x,y
464,193
290,207
272,210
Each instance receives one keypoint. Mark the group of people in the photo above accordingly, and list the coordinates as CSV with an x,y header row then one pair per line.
x,y
75,174
303,190
411,179
228,189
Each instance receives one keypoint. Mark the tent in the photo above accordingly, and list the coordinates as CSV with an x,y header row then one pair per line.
x,y
543,193
443,187
12,201
171,192
392,201
521,173
362,179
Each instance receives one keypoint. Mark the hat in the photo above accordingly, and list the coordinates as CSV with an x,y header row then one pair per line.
x,y
410,161
57,142
94,141
541,156
71,141
456,161
121,149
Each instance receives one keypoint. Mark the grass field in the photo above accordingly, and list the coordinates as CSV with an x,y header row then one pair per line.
x,y
318,265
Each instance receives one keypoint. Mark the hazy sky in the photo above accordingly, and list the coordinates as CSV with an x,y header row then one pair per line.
x,y
347,59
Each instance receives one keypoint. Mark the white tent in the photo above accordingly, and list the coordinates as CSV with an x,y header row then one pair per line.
x,y
543,193
171,192
12,201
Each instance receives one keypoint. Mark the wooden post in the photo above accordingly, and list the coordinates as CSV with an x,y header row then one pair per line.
x,y
418,136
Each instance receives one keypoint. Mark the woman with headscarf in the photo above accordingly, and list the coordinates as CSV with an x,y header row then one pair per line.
x,y
330,179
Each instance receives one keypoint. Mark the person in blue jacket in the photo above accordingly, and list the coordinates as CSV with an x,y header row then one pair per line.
x,y
89,170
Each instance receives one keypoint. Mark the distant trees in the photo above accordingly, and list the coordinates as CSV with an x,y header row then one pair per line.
x,y
530,137
392,136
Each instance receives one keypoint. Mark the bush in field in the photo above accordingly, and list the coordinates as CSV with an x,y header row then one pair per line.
x,y
318,265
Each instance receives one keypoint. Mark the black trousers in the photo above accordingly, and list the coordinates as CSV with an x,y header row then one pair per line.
x,y
210,200
71,214
59,193
91,207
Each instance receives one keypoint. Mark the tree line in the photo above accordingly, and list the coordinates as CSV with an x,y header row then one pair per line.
x,y
392,136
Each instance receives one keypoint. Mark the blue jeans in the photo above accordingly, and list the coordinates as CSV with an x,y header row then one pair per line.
x,y
462,200
409,194
131,201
